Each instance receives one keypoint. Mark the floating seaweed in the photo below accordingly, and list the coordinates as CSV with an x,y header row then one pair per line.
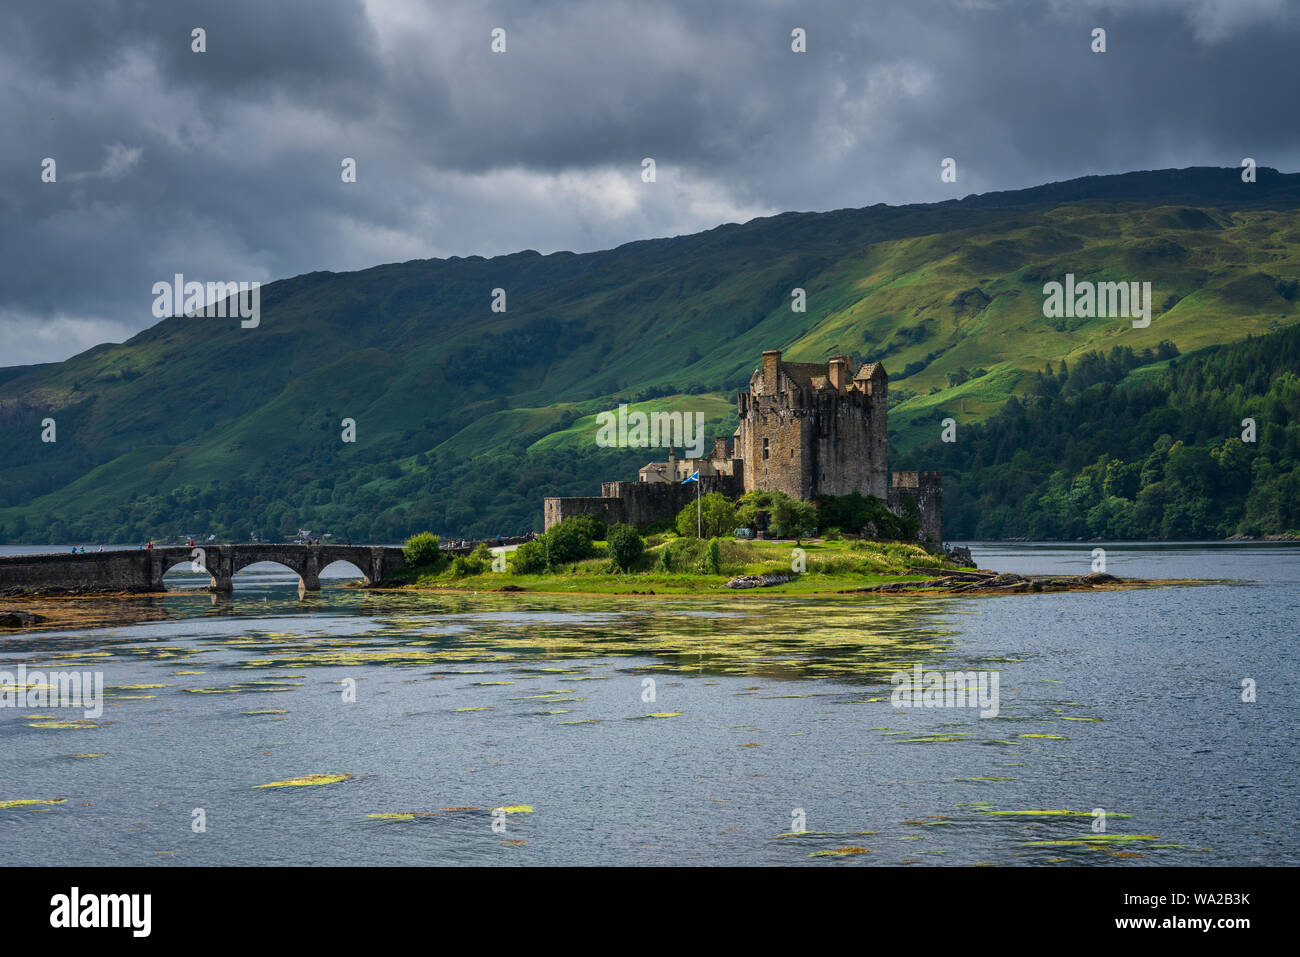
x,y
306,780
840,852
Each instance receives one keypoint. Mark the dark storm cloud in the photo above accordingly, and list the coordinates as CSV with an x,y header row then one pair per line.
x,y
225,165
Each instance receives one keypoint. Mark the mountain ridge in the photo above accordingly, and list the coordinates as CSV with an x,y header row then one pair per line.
x,y
947,294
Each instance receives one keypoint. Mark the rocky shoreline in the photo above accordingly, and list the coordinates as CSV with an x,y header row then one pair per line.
x,y
988,582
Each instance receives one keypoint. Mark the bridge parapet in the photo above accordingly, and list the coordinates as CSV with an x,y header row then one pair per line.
x,y
142,570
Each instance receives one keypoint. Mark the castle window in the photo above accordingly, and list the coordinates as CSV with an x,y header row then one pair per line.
x,y
765,453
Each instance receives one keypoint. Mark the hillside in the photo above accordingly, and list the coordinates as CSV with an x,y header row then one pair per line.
x,y
1115,446
465,418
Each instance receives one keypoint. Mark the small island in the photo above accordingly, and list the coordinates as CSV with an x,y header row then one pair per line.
x,y
582,556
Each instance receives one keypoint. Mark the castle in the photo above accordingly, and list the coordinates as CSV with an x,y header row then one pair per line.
x,y
806,429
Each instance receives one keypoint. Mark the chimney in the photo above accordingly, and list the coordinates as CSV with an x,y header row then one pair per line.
x,y
838,372
771,359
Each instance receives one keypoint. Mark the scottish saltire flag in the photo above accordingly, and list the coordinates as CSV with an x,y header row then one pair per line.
x,y
693,477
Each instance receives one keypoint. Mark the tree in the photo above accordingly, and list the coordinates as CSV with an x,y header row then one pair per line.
x,y
717,517
794,517
625,546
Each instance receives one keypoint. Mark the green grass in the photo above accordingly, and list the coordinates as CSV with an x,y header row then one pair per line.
x,y
831,566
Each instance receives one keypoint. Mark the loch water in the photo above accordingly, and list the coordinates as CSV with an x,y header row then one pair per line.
x,y
640,730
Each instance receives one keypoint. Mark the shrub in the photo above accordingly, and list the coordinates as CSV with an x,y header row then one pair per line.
x,y
569,541
463,565
855,511
529,558
625,546
424,551
712,563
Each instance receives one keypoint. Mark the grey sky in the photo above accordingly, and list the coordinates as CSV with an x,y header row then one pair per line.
x,y
225,165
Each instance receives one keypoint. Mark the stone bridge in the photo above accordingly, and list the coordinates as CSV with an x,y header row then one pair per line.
x,y
142,570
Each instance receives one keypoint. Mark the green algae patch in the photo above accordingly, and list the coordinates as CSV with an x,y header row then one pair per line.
x,y
474,709
658,714
306,780
1058,737
97,754
1097,840
263,711
27,802
1050,813
840,852
403,815
515,809
63,725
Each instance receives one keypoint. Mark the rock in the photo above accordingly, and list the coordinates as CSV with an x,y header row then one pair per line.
x,y
509,588
19,619
758,581
960,555
1098,578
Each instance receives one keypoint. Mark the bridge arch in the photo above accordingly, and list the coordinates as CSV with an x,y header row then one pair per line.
x,y
348,564
171,563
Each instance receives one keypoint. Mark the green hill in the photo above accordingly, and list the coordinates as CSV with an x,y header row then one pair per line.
x,y
465,418
1117,446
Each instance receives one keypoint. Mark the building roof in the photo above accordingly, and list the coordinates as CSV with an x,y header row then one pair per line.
x,y
870,370
804,372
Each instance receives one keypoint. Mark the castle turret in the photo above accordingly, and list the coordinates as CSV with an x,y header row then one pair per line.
x,y
925,490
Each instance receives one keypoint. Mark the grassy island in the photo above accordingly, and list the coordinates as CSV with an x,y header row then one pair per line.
x,y
570,558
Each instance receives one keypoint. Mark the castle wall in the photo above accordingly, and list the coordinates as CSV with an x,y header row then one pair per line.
x,y
926,490
644,504
847,456
608,510
776,441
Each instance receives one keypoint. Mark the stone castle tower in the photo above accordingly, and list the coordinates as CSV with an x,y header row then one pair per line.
x,y
806,429
809,428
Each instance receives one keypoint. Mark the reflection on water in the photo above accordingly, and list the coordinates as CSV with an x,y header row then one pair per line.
x,y
669,730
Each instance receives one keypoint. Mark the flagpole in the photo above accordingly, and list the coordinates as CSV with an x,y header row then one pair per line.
x,y
699,512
